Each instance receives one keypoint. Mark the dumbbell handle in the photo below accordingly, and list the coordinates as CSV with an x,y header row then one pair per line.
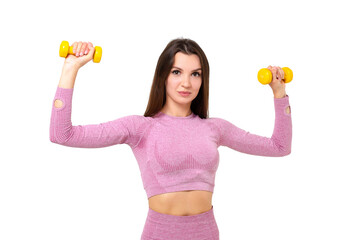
x,y
265,75
70,51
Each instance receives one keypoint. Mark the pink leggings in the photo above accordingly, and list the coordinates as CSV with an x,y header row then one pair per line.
x,y
159,226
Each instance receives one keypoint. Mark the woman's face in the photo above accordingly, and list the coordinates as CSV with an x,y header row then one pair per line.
x,y
185,75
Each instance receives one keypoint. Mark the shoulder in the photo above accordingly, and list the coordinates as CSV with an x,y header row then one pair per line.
x,y
139,118
220,123
135,121
216,122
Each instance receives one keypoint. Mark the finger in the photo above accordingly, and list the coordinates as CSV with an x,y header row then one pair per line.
x,y
82,49
273,73
86,49
78,48
90,53
282,73
89,44
74,47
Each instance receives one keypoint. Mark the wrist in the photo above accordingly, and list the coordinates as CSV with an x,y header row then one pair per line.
x,y
279,94
68,76
70,68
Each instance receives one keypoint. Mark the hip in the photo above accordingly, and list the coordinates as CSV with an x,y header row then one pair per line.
x,y
162,226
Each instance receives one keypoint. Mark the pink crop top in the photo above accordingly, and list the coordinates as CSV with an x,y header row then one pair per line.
x,y
173,153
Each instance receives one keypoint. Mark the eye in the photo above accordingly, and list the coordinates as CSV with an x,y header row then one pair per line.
x,y
176,72
198,74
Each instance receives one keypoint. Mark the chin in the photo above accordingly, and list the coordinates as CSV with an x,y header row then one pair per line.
x,y
185,100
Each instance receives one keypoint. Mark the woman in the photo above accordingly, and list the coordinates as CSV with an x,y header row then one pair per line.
x,y
175,142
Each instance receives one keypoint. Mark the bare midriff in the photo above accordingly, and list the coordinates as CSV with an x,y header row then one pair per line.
x,y
182,203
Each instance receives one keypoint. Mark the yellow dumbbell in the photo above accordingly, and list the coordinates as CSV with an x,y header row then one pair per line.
x,y
265,75
65,50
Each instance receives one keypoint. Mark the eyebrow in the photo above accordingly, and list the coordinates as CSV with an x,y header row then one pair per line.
x,y
193,70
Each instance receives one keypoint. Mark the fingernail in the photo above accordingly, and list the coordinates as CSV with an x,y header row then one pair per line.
x,y
86,52
81,54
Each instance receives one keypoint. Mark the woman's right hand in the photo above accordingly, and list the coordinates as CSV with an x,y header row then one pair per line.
x,y
83,53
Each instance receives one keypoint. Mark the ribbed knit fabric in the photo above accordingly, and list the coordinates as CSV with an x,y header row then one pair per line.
x,y
161,226
173,153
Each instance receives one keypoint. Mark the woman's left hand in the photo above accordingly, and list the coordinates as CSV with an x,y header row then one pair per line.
x,y
278,83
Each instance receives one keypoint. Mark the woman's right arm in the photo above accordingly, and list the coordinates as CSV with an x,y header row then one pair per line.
x,y
126,129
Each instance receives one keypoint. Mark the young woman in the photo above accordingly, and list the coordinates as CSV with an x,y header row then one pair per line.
x,y
175,142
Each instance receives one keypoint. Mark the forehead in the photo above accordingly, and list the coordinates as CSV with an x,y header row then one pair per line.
x,y
183,60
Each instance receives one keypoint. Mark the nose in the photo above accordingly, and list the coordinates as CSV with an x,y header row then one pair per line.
x,y
185,82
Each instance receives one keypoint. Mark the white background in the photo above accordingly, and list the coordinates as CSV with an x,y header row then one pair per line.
x,y
49,191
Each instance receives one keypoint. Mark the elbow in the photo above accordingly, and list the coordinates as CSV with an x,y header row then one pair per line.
x,y
52,136
57,141
281,150
284,151
59,137
53,139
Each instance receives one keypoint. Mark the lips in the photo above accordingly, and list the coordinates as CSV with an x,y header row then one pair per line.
x,y
184,94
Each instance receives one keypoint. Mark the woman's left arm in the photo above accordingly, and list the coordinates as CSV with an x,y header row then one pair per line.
x,y
280,142
243,141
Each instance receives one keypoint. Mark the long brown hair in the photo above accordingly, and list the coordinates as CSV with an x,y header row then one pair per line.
x,y
157,99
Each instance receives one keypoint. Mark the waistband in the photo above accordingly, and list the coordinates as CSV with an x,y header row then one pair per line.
x,y
166,218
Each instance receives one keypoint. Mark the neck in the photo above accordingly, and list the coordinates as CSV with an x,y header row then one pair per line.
x,y
176,112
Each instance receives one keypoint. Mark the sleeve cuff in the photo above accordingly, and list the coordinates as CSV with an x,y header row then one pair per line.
x,y
283,99
281,104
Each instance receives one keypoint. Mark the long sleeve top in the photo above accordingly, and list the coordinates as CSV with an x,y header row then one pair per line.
x,y
173,153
